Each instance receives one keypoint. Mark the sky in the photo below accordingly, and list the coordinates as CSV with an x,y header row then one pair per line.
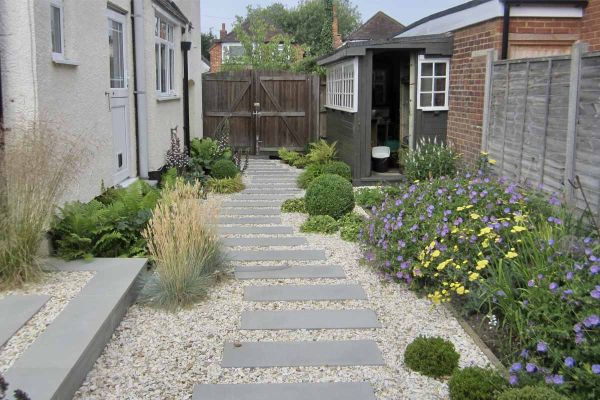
x,y
214,12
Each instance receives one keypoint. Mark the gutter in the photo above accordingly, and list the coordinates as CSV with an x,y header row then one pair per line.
x,y
505,31
140,92
185,48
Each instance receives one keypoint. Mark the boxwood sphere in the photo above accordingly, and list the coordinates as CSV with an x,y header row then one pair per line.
x,y
433,357
338,168
224,169
330,195
474,383
531,393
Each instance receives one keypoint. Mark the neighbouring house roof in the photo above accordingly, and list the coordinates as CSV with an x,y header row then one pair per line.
x,y
484,10
172,8
379,26
232,37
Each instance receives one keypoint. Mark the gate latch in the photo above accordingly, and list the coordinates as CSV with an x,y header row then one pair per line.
x,y
256,109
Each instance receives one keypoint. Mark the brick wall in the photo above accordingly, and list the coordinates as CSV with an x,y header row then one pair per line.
x,y
215,58
590,31
545,25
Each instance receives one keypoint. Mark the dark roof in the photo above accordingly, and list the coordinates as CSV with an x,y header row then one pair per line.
x,y
232,37
474,3
171,8
379,26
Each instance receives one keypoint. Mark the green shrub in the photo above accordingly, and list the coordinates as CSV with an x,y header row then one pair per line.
x,y
369,197
351,226
288,156
322,152
293,206
319,224
338,168
433,357
309,174
224,169
330,195
168,178
226,185
301,162
429,160
531,393
205,152
474,383
314,170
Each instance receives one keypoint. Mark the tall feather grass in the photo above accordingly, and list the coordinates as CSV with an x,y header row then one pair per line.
x,y
37,166
184,244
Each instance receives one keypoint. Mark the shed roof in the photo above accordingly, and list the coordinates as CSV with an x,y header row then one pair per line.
x,y
173,9
379,26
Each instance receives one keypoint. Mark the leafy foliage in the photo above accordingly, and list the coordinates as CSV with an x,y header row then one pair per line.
x,y
226,185
330,195
322,152
429,160
105,227
474,383
205,152
293,206
369,197
288,156
320,224
224,169
531,393
207,40
301,162
433,357
351,225
168,178
339,168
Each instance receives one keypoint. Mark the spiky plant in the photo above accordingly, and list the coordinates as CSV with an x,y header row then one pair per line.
x,y
176,155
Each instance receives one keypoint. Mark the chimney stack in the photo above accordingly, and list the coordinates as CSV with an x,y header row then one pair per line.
x,y
223,31
337,38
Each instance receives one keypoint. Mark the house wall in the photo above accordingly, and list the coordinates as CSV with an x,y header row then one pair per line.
x,y
590,31
216,56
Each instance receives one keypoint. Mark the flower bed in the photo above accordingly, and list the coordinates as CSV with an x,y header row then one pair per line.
x,y
489,247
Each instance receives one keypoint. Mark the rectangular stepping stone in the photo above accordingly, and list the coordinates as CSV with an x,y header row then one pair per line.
x,y
249,220
276,255
309,319
250,211
285,391
304,293
271,191
265,241
271,204
256,230
263,196
287,186
301,354
16,310
291,272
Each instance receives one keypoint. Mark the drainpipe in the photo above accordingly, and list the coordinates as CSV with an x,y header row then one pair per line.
x,y
141,100
185,48
505,30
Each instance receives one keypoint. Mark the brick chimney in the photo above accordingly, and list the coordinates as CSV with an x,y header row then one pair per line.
x,y
223,31
337,38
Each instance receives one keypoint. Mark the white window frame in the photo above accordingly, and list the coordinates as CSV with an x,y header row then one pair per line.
x,y
224,52
170,71
342,88
60,6
434,61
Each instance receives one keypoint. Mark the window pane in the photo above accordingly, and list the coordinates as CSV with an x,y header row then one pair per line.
x,y
170,33
440,69
427,69
440,84
156,26
56,29
426,84
439,100
425,99
163,68
163,30
116,62
157,68
171,69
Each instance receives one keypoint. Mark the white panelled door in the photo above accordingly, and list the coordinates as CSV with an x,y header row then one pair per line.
x,y
118,95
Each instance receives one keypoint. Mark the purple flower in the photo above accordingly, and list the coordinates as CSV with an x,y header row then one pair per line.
x,y
501,293
569,276
554,201
542,347
405,265
558,379
595,293
570,362
531,368
594,269
513,380
550,242
525,354
592,321
516,367
531,283
553,286
579,338
577,328
596,369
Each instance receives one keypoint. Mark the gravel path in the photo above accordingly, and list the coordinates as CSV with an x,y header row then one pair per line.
x,y
159,355
61,287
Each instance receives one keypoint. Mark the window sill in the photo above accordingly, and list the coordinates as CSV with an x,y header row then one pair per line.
x,y
57,59
164,98
435,109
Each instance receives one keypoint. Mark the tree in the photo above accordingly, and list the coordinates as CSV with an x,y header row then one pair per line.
x,y
326,38
206,42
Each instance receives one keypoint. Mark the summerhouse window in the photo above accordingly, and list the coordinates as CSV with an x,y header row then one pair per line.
x,y
232,51
433,84
342,86
164,52
57,29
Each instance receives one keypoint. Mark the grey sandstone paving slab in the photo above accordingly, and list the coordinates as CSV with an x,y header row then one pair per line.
x,y
304,293
265,241
249,211
242,220
301,354
255,230
290,272
276,255
271,191
309,319
260,203
16,310
263,196
286,391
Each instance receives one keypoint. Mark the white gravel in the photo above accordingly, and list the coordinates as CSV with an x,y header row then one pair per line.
x,y
61,287
160,355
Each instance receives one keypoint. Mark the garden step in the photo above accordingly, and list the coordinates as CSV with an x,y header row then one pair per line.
x,y
224,220
290,272
276,255
255,230
282,186
263,196
309,319
301,354
304,293
285,391
250,211
265,241
265,204
272,190
16,310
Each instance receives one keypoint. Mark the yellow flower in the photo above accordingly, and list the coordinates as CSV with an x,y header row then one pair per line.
x,y
485,231
485,244
475,216
519,218
454,230
435,297
484,153
511,254
435,254
492,161
481,264
518,228
473,276
443,264
460,290
455,248
460,208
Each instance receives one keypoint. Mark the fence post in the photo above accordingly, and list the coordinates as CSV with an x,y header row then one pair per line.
x,y
576,53
489,70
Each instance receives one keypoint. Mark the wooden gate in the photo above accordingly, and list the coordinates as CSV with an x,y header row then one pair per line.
x,y
266,110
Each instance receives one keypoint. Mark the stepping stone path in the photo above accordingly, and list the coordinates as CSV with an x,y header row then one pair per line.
x,y
251,219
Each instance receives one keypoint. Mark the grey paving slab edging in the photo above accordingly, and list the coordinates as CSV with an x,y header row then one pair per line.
x,y
242,220
55,365
304,293
16,310
290,272
276,255
260,203
249,211
309,319
301,354
262,196
265,241
255,230
286,391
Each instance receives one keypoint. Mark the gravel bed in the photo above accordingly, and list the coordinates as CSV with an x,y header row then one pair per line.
x,y
61,286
